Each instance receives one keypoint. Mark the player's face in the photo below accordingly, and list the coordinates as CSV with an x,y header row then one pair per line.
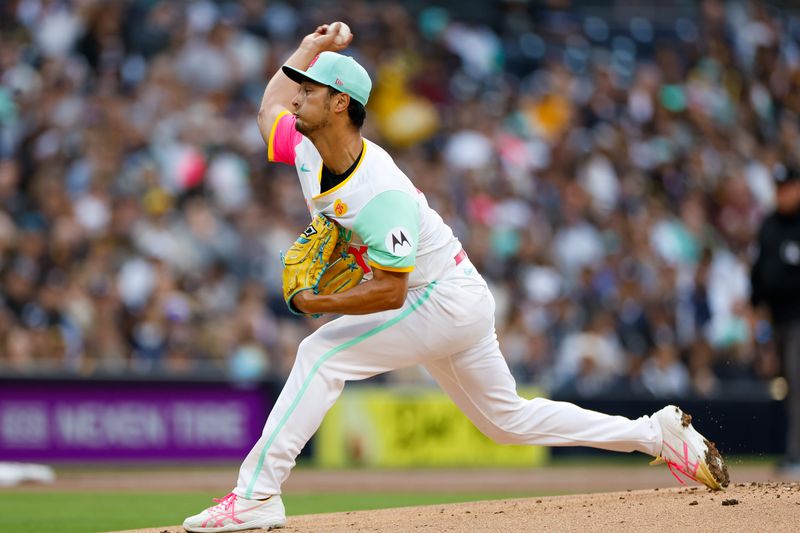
x,y
312,107
787,198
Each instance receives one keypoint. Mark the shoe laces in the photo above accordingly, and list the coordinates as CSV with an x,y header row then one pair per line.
x,y
228,503
225,509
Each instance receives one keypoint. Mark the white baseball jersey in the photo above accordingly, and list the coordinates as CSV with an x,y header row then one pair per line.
x,y
387,214
445,324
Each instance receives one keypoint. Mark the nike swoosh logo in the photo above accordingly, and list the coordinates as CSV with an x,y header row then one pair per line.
x,y
304,169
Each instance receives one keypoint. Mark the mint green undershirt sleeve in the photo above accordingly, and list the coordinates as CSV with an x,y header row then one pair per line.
x,y
389,226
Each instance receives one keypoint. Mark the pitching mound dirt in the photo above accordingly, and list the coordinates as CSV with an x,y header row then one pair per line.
x,y
743,507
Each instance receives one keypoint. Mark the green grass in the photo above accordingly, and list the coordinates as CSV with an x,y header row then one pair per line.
x,y
82,512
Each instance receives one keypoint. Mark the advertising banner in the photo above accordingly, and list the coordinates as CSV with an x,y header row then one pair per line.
x,y
390,427
109,421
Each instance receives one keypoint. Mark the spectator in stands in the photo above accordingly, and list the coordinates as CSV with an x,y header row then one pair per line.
x,y
586,164
776,283
663,374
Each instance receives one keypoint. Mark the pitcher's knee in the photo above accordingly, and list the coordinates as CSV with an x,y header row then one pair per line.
x,y
509,427
502,436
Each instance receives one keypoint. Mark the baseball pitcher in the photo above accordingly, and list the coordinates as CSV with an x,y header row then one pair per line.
x,y
421,301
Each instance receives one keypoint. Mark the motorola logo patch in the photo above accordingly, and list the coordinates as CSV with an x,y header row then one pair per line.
x,y
398,242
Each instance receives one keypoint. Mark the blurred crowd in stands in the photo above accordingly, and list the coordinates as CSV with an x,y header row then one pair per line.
x,y
606,172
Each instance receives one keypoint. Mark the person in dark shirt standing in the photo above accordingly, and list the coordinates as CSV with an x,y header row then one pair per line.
x,y
775,280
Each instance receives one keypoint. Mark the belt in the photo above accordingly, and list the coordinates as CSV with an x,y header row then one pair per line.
x,y
460,256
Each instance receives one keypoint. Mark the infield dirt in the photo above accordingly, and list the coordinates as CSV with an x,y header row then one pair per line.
x,y
773,507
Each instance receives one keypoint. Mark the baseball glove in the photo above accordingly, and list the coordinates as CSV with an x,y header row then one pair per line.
x,y
318,261
343,272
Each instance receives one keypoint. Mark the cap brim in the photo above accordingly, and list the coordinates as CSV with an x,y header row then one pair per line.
x,y
298,76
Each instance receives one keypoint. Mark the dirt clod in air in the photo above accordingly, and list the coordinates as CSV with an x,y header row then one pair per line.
x,y
732,501
686,419
693,502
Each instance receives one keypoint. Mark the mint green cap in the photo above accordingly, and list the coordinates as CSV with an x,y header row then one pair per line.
x,y
338,71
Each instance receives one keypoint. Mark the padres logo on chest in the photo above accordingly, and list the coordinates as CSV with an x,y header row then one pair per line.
x,y
339,208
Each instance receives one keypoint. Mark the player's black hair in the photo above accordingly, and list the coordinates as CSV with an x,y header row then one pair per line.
x,y
355,110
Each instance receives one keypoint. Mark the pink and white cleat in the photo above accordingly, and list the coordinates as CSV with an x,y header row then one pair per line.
x,y
233,513
687,452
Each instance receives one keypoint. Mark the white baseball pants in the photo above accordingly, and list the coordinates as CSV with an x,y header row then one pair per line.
x,y
448,327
